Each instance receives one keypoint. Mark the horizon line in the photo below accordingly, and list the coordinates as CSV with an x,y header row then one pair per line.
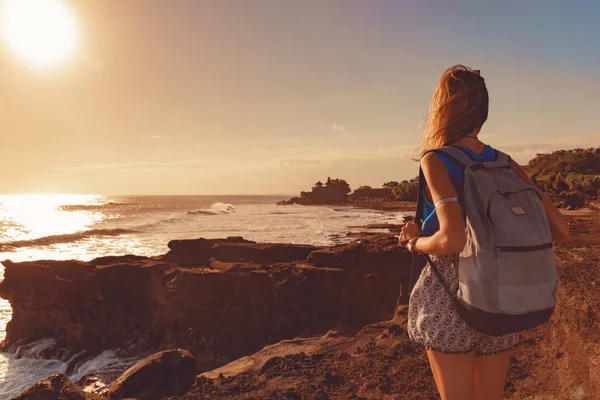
x,y
147,194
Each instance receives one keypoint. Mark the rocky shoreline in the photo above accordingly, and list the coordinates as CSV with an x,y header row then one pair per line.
x,y
220,299
279,321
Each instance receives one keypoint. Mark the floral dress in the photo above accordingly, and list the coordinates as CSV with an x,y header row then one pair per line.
x,y
434,322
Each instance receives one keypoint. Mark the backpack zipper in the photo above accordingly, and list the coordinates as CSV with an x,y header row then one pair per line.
x,y
507,194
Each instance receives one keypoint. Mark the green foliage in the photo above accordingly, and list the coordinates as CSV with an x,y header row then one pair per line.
x,y
391,184
406,190
339,185
579,161
567,171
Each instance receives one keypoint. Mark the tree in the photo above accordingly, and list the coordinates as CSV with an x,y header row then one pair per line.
x,y
406,190
339,185
566,171
390,184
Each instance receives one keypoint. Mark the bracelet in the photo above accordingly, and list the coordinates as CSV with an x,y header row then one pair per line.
x,y
410,246
446,200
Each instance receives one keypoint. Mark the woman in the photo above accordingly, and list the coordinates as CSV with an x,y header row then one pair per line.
x,y
466,364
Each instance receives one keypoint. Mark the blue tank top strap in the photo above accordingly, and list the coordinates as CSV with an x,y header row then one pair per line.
x,y
430,223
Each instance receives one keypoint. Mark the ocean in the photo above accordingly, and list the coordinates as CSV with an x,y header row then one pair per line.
x,y
59,227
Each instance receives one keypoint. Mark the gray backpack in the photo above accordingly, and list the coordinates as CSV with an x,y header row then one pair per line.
x,y
507,270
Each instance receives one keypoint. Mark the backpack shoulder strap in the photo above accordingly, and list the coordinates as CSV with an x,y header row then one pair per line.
x,y
501,158
458,155
463,159
417,261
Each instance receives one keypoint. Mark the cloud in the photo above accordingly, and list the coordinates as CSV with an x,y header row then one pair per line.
x,y
142,165
338,128
341,129
156,137
297,157
328,157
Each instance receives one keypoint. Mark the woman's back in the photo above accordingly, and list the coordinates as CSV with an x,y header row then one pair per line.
x,y
458,110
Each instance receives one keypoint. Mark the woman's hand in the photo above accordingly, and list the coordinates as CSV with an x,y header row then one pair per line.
x,y
409,230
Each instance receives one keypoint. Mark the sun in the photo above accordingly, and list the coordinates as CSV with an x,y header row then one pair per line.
x,y
42,32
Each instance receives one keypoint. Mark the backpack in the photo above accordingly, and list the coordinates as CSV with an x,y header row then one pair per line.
x,y
507,271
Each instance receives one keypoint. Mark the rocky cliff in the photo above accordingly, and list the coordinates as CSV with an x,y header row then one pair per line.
x,y
393,196
220,299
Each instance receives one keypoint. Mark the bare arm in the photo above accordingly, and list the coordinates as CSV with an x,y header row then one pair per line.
x,y
558,224
451,236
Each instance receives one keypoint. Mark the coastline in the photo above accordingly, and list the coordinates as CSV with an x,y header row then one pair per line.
x,y
221,298
409,206
340,354
373,204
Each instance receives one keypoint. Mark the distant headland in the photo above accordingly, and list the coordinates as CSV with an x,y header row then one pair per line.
x,y
570,177
392,196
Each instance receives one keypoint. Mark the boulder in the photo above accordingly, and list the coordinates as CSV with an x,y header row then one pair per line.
x,y
574,200
285,202
164,374
196,252
382,253
55,387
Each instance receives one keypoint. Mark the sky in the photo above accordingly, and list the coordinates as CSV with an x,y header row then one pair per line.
x,y
269,96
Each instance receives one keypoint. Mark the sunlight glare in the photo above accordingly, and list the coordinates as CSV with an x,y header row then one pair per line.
x,y
42,32
35,216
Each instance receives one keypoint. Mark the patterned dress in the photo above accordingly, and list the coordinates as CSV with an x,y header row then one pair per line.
x,y
434,322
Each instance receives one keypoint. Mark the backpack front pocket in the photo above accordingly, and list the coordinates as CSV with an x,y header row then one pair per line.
x,y
518,218
526,278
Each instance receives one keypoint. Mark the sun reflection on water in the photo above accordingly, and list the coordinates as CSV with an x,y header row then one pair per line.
x,y
32,216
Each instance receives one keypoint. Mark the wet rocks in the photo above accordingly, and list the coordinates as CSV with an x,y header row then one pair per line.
x,y
55,387
164,374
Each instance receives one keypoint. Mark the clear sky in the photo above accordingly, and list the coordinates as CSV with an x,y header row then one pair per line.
x,y
269,96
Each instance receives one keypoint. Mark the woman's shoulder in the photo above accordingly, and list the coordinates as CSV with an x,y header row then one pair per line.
x,y
434,159
437,159
435,163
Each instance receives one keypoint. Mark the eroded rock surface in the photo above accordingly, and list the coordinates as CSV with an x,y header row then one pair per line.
x,y
220,299
164,374
55,387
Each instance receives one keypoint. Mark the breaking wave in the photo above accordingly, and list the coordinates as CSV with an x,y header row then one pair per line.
x,y
64,238
215,209
34,361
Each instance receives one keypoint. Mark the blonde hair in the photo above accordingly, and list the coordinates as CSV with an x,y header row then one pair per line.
x,y
459,106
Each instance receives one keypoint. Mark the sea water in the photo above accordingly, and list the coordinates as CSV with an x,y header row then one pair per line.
x,y
59,227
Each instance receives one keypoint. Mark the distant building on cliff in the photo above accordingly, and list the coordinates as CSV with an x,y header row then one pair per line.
x,y
334,191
